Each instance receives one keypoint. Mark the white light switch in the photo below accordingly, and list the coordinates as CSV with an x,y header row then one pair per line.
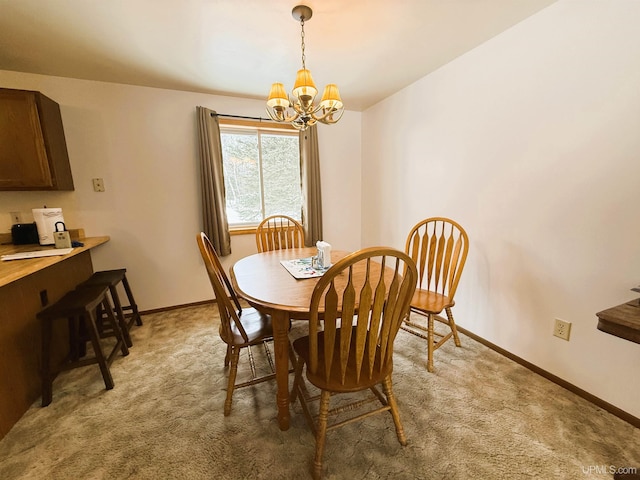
x,y
98,185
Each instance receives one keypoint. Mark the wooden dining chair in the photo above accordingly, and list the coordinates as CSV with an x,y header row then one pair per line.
x,y
439,247
239,327
351,349
279,232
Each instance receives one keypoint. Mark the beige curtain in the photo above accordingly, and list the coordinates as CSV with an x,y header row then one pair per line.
x,y
311,192
214,212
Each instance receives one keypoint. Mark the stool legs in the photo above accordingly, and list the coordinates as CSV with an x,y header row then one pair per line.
x,y
76,344
112,278
47,389
120,312
90,322
81,308
95,341
121,333
132,302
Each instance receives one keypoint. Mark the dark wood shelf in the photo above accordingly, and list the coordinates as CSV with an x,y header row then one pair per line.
x,y
622,321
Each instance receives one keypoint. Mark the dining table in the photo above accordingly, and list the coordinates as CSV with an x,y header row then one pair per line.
x,y
268,286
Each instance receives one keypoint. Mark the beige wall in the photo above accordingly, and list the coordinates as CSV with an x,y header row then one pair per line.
x,y
142,141
531,142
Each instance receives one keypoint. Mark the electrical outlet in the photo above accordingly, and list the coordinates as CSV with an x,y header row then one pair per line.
x,y
562,329
98,185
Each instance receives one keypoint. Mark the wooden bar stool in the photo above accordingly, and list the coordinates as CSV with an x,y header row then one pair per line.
x,y
79,306
111,279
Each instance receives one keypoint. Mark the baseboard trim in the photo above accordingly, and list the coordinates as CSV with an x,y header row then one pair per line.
x,y
175,307
627,417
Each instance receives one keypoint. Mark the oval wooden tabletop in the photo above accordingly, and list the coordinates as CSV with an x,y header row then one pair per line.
x,y
267,285
264,282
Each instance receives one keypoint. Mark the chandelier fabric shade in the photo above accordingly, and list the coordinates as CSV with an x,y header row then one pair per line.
x,y
331,97
301,111
304,86
278,96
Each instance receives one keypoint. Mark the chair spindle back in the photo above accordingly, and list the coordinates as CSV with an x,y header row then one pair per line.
x,y
439,247
279,232
224,296
360,320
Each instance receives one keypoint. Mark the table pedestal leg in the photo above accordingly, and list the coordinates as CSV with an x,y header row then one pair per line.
x,y
280,322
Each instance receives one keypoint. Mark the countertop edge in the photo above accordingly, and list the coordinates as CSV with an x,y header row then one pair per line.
x,y
14,270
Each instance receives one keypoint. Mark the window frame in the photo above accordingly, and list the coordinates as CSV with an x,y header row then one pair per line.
x,y
227,125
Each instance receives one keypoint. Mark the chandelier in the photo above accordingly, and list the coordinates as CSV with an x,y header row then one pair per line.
x,y
301,112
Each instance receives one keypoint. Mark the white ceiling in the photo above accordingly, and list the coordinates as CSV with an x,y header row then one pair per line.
x,y
370,48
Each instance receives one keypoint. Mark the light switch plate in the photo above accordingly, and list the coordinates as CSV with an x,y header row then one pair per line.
x,y
98,185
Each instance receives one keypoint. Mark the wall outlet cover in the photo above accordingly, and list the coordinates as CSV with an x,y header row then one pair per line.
x,y
562,329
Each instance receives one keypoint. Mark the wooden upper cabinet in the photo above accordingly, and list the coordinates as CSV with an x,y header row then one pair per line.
x,y
33,150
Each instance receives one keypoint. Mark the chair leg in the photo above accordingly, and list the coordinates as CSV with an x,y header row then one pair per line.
x,y
132,302
292,355
430,343
391,399
83,336
117,330
454,329
235,358
74,339
297,378
120,315
95,341
227,357
321,433
47,389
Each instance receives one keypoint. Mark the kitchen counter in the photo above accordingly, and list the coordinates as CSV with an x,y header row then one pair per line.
x,y
26,287
13,270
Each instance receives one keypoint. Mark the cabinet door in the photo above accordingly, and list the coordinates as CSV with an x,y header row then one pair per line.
x,y
23,155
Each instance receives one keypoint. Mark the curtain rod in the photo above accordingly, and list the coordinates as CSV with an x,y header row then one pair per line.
x,y
241,116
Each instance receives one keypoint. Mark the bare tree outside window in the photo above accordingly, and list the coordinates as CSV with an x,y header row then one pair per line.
x,y
261,175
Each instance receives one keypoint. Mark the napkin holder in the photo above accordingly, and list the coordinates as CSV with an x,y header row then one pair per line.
x,y
323,257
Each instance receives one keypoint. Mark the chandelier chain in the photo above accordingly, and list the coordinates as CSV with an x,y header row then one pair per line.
x,y
302,41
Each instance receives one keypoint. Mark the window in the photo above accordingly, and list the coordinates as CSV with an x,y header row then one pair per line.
x,y
261,173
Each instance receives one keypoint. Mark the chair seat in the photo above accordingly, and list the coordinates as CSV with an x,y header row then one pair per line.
x,y
351,349
256,325
335,383
430,302
439,247
239,327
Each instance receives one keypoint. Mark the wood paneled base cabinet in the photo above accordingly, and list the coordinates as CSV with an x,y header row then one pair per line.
x,y
20,333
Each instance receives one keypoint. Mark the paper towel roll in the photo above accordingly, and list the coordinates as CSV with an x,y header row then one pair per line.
x,y
46,219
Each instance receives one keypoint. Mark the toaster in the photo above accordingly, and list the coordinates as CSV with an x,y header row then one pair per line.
x,y
24,233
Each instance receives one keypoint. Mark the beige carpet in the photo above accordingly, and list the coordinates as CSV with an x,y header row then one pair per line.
x,y
478,416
